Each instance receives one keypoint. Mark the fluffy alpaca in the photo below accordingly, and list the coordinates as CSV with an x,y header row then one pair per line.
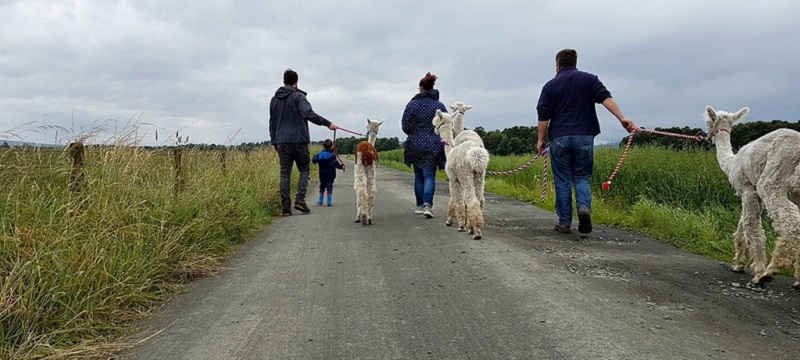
x,y
459,108
766,175
466,170
364,173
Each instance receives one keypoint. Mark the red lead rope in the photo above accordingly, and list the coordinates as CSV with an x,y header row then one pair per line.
x,y
607,184
335,151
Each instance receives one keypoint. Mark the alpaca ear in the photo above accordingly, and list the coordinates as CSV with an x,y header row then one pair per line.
x,y
711,114
438,113
367,119
381,122
467,107
741,114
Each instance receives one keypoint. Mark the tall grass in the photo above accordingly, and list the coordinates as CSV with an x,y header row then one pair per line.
x,y
682,198
76,268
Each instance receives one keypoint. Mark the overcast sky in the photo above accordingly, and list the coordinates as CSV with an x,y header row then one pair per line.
x,y
209,68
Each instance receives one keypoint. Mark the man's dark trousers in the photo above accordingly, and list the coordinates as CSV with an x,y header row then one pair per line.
x,y
288,155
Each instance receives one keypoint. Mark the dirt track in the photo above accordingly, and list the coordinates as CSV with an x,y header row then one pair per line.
x,y
319,286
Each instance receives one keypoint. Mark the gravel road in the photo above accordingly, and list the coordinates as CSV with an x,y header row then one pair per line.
x,y
319,286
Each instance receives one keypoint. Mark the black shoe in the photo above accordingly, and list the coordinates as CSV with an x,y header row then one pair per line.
x,y
287,212
302,207
563,228
584,221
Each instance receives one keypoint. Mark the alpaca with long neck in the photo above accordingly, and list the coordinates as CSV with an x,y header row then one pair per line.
x,y
466,171
461,135
766,175
366,160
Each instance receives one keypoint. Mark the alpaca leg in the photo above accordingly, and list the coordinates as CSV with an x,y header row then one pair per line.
x,y
786,221
474,213
749,223
796,284
472,209
480,183
461,214
373,189
452,205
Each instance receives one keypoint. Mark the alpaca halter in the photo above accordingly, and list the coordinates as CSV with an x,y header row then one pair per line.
x,y
370,132
715,133
459,112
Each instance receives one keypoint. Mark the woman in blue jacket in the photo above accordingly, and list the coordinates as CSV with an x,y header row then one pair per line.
x,y
424,151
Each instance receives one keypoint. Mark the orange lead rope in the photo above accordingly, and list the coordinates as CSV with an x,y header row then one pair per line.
x,y
607,184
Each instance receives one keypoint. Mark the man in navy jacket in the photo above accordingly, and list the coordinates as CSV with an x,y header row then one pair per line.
x,y
289,115
567,114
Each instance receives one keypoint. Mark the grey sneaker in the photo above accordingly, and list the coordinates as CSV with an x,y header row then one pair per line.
x,y
418,210
584,221
426,210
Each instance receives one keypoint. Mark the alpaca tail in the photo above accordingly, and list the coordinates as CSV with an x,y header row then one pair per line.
x,y
478,158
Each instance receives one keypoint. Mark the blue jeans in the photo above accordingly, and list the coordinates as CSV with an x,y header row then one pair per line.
x,y
572,159
424,184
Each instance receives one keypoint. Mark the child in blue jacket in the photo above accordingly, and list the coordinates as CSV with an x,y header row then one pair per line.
x,y
328,164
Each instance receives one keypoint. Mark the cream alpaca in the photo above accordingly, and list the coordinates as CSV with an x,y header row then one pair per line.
x,y
459,108
365,184
766,175
466,170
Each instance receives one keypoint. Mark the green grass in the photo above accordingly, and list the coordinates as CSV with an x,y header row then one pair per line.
x,y
76,269
681,198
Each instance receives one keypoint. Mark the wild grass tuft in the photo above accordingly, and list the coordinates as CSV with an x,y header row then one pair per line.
x,y
77,267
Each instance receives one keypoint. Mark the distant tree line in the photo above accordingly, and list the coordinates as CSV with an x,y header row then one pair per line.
x,y
741,135
516,140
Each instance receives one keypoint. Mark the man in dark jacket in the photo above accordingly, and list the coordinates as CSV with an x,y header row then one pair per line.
x,y
289,115
567,115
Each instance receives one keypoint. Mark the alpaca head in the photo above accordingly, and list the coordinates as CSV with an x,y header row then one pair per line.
x,y
442,122
460,107
717,121
373,125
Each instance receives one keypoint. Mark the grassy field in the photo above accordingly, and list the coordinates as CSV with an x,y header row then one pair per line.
x,y
77,268
682,198
79,265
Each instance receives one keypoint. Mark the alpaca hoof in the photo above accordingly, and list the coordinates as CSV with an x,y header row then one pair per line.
x,y
448,223
461,229
796,285
737,268
470,231
357,221
369,221
763,279
476,237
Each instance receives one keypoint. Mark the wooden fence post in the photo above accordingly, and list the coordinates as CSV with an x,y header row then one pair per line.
x,y
224,162
176,153
77,175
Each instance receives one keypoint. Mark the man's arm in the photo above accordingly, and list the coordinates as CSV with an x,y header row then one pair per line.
x,y
307,113
542,130
614,109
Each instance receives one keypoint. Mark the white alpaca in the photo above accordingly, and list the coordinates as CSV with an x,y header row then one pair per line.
x,y
461,135
466,169
766,175
364,173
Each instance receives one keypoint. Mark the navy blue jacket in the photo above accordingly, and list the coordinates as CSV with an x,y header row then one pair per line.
x,y
327,165
423,147
289,114
568,101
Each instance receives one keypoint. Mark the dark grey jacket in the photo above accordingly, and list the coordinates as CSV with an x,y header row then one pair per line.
x,y
289,114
